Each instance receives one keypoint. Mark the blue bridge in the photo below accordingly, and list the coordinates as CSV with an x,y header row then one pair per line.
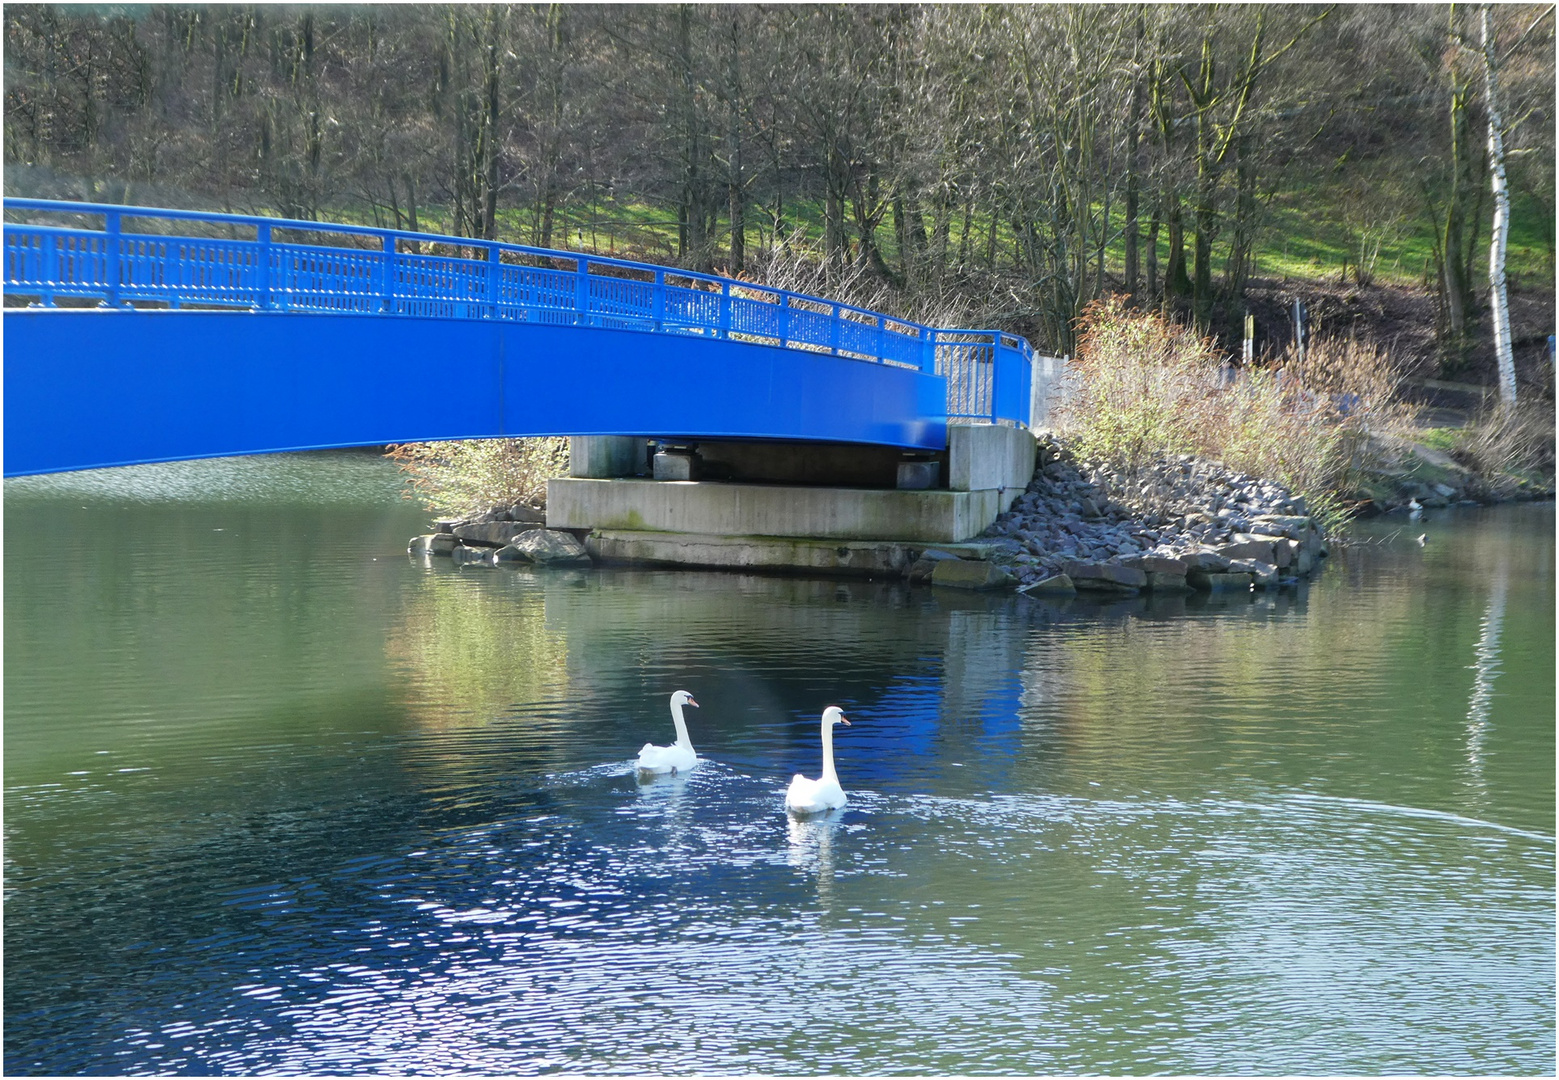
x,y
138,335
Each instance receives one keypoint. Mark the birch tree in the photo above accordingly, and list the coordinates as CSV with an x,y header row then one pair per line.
x,y
1500,234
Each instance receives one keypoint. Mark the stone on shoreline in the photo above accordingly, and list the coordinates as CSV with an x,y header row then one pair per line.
x,y
1054,585
1259,550
1263,575
492,533
432,544
1162,518
972,574
551,547
922,568
1291,526
1206,560
1162,582
1156,564
1203,581
462,555
1105,577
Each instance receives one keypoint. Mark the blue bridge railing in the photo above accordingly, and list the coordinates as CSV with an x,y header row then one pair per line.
x,y
129,256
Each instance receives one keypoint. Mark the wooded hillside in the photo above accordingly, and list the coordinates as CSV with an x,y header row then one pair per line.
x,y
1017,162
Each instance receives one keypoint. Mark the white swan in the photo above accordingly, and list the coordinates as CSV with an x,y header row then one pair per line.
x,y
814,796
679,756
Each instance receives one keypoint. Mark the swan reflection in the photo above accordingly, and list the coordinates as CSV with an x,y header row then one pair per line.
x,y
812,851
664,798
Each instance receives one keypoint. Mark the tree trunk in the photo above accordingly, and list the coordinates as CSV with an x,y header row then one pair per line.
x,y
735,179
1133,267
552,153
1501,231
1177,283
1207,176
693,214
1152,260
493,76
910,229
963,236
1237,270
833,205
1458,224
866,206
941,231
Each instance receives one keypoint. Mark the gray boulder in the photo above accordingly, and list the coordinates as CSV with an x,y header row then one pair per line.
x,y
1263,574
432,544
551,547
492,533
1205,581
1290,525
1156,564
972,574
1205,560
1248,548
1105,577
1304,562
1054,585
921,569
1159,582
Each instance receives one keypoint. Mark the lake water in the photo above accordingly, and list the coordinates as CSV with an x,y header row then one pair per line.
x,y
280,799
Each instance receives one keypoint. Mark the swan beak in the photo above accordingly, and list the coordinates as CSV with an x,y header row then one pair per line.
x,y
693,703
843,721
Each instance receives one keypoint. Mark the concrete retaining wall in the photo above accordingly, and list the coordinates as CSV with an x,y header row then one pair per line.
x,y
769,510
990,456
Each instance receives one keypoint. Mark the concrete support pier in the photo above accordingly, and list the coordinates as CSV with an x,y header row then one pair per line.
x,y
808,507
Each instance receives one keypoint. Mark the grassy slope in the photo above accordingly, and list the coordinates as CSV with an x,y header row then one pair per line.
x,y
1305,235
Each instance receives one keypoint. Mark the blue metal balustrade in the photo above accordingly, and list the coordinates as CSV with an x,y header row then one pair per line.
x,y
60,256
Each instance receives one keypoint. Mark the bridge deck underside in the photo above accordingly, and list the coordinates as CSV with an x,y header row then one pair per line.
x,y
92,388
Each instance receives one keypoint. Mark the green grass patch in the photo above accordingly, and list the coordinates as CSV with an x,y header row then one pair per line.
x,y
1443,439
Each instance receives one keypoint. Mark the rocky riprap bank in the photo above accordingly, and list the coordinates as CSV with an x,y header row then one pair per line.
x,y
1179,525
515,534
1184,524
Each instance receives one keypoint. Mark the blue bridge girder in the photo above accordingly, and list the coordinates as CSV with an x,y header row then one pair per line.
x,y
216,334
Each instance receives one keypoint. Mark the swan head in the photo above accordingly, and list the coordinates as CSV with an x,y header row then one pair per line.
x,y
682,697
834,715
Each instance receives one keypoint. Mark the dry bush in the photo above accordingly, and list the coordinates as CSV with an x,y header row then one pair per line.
x,y
466,477
1509,447
1142,387
1134,382
1317,425
800,265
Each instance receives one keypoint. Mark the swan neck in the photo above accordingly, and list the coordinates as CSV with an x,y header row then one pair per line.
x,y
681,724
828,752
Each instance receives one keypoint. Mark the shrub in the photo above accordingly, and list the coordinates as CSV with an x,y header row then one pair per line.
x,y
1509,448
1142,387
1132,385
465,477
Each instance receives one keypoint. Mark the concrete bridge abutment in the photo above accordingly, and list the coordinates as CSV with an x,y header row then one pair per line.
x,y
811,507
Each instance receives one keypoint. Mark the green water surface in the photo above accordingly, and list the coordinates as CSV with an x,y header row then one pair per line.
x,y
280,798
